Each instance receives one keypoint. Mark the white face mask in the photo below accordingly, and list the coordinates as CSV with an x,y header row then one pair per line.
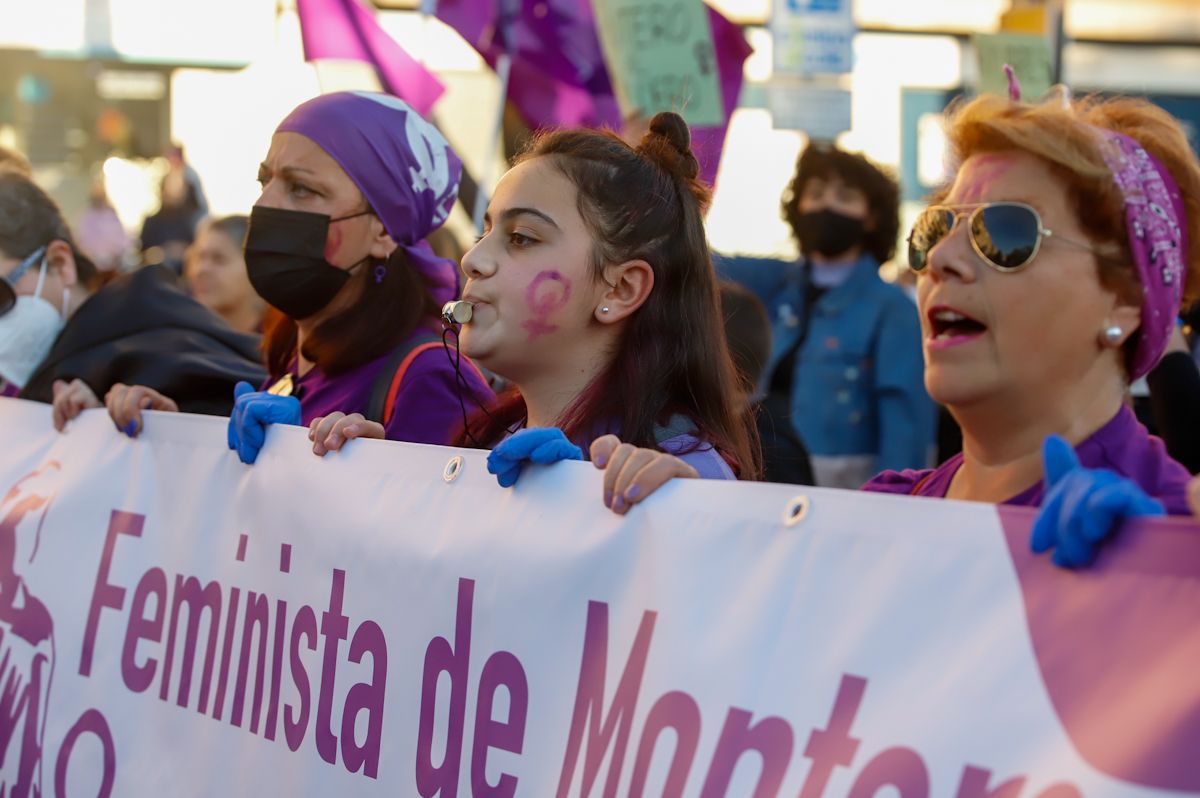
x,y
27,332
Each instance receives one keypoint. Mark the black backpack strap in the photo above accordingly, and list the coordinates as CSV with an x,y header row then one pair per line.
x,y
377,404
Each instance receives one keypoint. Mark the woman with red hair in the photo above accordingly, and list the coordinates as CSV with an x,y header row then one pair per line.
x,y
1050,275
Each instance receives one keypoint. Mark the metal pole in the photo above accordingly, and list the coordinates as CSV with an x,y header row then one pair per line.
x,y
1054,23
503,67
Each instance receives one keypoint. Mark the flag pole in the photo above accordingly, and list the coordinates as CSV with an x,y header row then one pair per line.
x,y
503,68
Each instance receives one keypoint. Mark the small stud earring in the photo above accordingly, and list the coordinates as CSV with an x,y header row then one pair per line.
x,y
604,309
1112,335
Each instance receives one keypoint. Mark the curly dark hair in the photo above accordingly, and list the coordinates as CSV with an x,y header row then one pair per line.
x,y
821,160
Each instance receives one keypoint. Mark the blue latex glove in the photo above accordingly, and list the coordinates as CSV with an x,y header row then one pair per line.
x,y
542,445
253,411
1082,506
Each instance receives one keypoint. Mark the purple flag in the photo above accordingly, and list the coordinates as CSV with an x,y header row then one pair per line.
x,y
559,78
732,51
345,30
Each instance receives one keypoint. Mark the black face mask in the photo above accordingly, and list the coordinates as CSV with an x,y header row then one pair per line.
x,y
285,260
828,232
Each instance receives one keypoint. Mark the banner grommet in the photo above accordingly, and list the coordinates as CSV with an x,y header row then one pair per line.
x,y
453,468
796,510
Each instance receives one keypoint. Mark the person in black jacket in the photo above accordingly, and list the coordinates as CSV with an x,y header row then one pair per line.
x,y
1174,400
63,341
748,333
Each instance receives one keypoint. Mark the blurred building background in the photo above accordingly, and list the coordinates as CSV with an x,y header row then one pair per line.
x,y
103,87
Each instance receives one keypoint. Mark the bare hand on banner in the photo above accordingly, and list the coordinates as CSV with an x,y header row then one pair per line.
x,y
71,399
125,404
632,473
330,433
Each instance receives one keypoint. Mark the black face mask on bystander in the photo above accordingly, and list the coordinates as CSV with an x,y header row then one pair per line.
x,y
285,259
828,232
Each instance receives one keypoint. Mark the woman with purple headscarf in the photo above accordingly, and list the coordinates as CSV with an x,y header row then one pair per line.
x,y
352,184
1051,273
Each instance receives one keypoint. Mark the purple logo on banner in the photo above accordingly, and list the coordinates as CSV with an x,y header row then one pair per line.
x,y
27,652
26,636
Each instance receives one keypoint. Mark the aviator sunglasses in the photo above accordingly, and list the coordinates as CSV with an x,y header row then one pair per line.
x,y
8,282
1007,235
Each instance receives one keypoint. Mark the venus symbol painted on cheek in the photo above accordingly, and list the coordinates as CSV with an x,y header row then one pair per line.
x,y
546,294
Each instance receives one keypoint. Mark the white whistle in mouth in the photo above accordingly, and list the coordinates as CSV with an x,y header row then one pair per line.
x,y
457,312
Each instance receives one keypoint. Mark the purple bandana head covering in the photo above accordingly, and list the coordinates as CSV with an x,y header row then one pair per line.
x,y
401,164
1154,218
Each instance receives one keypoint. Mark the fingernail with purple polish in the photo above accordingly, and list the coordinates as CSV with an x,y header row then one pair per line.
x,y
130,428
632,493
619,504
608,498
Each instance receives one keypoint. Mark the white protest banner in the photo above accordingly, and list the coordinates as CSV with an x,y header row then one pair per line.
x,y
388,621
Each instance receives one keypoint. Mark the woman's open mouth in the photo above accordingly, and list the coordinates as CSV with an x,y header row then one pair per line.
x,y
950,327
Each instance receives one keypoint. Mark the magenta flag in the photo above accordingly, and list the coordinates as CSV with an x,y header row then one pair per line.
x,y
559,78
344,29
732,51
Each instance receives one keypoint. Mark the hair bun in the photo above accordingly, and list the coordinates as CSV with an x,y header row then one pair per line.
x,y
668,128
671,127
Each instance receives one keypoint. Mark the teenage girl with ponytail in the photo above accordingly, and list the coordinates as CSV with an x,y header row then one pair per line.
x,y
593,295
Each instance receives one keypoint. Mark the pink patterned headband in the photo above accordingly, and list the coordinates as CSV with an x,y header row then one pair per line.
x,y
1156,222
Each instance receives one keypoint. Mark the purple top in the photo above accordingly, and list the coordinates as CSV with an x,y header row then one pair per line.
x,y
426,409
1122,445
7,389
707,461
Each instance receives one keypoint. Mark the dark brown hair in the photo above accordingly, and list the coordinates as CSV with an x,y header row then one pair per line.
x,y
383,313
232,227
747,332
819,160
29,219
646,203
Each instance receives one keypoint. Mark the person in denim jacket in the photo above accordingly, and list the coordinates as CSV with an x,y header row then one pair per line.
x,y
846,368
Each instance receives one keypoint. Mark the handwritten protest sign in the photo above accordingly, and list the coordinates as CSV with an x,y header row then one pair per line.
x,y
660,56
1028,55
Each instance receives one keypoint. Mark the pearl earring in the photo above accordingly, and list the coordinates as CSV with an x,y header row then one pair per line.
x,y
1112,335
604,309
